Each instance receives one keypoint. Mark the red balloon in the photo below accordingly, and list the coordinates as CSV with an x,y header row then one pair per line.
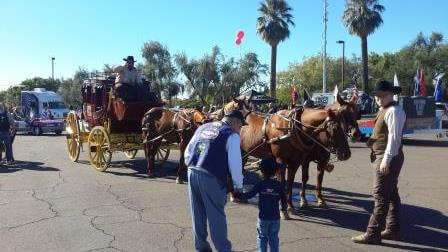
x,y
238,41
240,34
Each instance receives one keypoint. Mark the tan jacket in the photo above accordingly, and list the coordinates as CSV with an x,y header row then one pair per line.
x,y
126,75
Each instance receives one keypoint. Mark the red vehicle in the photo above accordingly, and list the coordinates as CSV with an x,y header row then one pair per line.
x,y
39,126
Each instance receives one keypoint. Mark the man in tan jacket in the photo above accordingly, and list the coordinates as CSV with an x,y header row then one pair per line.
x,y
127,80
387,158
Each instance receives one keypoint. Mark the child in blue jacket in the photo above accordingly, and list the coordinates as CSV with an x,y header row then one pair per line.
x,y
270,192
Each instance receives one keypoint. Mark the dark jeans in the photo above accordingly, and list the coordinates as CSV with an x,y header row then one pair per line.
x,y
386,211
5,138
267,233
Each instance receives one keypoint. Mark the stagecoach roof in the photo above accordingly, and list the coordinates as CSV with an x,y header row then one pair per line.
x,y
257,97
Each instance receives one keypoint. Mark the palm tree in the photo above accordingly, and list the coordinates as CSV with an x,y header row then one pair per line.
x,y
362,17
272,25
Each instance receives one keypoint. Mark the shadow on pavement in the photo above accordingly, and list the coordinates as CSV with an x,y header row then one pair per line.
x,y
25,165
137,168
420,226
425,142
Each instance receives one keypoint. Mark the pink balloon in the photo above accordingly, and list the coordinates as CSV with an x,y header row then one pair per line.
x,y
240,34
238,41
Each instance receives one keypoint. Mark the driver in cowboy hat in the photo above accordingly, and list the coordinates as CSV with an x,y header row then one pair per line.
x,y
127,80
387,159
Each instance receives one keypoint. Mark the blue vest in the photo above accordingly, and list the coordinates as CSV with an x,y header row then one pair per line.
x,y
209,151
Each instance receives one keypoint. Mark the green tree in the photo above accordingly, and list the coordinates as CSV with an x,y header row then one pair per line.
x,y
273,27
70,89
159,67
362,17
202,75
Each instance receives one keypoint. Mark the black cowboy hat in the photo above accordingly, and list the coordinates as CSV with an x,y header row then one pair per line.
x,y
386,86
236,114
129,58
268,165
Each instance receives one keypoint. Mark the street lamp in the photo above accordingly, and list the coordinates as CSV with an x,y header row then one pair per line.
x,y
343,60
52,67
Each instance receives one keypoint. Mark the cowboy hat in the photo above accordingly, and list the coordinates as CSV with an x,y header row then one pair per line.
x,y
386,86
129,58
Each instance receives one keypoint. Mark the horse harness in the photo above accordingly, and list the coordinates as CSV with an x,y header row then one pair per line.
x,y
173,126
292,128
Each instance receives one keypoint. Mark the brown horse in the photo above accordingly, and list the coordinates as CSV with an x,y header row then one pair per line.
x,y
289,136
236,103
350,114
161,124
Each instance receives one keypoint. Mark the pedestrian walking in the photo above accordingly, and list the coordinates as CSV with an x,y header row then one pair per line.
x,y
212,155
6,127
270,193
387,158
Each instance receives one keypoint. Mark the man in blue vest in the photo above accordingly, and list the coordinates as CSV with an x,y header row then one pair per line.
x,y
213,155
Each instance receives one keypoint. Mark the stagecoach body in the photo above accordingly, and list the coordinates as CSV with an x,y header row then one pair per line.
x,y
107,124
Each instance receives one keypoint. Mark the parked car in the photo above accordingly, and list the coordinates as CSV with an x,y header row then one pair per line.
x,y
39,126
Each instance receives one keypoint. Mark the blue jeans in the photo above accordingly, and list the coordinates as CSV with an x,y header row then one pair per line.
x,y
5,138
207,200
267,232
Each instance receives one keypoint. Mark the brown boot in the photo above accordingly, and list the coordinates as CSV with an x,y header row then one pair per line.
x,y
390,235
366,239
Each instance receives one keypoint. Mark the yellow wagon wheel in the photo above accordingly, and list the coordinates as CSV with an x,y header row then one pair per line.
x,y
161,156
130,154
99,148
73,136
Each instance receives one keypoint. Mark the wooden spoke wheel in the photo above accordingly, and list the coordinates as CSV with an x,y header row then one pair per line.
x,y
162,155
130,154
99,148
73,136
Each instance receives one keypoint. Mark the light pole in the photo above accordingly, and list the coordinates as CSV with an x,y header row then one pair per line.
x,y
52,67
343,60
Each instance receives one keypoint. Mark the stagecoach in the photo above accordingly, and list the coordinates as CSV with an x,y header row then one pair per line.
x,y
107,124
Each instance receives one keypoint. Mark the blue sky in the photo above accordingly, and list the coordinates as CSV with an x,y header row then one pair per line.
x,y
93,33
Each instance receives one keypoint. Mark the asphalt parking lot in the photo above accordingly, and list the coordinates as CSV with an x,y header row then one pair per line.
x,y
49,203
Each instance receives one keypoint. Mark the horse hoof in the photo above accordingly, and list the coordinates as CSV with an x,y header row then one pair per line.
x,y
179,181
329,168
321,204
303,204
151,175
291,211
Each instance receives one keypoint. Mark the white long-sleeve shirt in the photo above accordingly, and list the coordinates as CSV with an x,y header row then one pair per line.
x,y
395,118
126,75
233,157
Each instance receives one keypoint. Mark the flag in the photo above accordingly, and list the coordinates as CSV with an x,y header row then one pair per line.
x,y
438,96
294,95
336,91
416,84
355,92
396,84
422,87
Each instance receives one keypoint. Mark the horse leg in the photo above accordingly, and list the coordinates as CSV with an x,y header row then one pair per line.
x,y
292,169
320,178
182,166
149,159
305,177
